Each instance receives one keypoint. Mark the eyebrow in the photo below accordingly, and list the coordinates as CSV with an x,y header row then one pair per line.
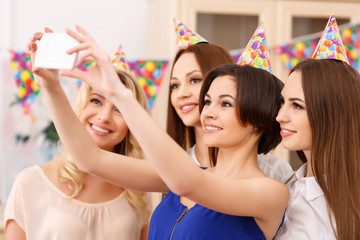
x,y
296,99
100,96
187,74
221,96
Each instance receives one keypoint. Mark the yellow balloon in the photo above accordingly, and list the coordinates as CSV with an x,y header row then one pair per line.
x,y
294,61
300,46
24,75
346,33
142,81
150,66
151,90
322,48
14,66
22,92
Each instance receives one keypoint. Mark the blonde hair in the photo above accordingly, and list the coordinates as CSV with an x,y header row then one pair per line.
x,y
74,178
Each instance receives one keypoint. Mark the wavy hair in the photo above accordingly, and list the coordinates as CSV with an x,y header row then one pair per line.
x,y
71,175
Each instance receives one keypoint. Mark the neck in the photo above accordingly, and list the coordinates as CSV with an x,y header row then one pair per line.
x,y
239,161
309,169
201,150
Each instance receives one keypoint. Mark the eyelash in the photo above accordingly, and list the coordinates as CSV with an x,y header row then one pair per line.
x,y
173,86
223,104
192,81
95,101
297,106
195,80
226,104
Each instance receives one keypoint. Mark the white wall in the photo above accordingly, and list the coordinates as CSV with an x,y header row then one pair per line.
x,y
110,22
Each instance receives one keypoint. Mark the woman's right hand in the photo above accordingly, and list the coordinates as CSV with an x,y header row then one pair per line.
x,y
102,77
44,78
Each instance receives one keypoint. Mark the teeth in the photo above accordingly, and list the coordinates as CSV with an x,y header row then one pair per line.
x,y
212,128
187,107
99,129
285,131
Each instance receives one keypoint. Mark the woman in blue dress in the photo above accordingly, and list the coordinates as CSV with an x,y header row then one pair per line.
x,y
233,199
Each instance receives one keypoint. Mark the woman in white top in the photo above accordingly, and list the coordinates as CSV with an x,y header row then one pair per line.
x,y
319,119
189,68
58,201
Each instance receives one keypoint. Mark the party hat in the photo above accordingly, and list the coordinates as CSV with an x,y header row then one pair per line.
x,y
256,52
119,61
330,45
186,37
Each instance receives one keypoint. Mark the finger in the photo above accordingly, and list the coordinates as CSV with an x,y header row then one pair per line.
x,y
83,31
77,36
48,30
31,47
75,73
78,48
37,36
82,56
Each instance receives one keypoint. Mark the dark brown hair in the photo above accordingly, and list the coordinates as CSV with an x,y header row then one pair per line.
x,y
257,101
332,97
207,56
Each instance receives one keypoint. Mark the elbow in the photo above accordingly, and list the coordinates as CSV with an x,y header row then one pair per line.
x,y
87,163
182,188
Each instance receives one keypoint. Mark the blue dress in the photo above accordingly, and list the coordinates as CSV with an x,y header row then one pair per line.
x,y
172,220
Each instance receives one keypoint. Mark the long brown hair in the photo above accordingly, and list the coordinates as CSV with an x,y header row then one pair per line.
x,y
257,102
207,56
332,96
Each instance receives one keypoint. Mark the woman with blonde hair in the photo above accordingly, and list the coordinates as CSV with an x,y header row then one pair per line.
x,y
59,201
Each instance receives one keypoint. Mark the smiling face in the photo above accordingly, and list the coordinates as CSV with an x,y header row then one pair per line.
x,y
185,85
221,124
294,122
103,121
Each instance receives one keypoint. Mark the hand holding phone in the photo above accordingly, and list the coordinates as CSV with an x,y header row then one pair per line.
x,y
51,51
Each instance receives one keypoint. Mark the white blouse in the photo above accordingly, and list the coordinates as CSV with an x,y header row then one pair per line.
x,y
271,165
306,216
44,212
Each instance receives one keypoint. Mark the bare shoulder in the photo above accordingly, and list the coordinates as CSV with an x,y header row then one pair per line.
x,y
274,191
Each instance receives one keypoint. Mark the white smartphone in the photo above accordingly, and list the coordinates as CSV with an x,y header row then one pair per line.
x,y
51,51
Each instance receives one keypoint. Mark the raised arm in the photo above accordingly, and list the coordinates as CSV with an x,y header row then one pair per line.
x,y
118,169
251,197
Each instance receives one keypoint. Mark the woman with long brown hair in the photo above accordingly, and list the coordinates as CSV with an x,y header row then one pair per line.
x,y
190,65
319,119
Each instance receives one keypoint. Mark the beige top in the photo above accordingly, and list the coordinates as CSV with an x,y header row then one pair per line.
x,y
45,213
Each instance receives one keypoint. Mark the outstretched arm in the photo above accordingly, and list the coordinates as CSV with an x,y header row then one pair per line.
x,y
115,168
250,197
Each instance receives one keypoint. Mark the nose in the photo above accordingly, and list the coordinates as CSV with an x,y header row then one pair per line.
x,y
209,111
104,114
184,91
282,114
